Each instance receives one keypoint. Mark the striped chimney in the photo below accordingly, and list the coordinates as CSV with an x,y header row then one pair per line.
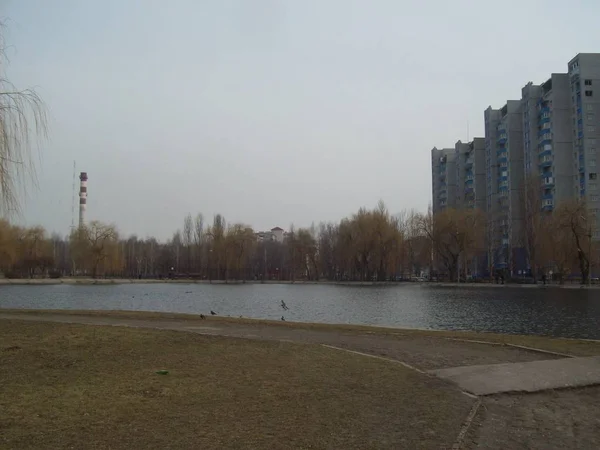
x,y
82,197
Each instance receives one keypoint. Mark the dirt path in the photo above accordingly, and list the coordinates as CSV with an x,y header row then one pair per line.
x,y
422,352
551,420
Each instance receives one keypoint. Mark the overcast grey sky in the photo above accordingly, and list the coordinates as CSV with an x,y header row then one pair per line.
x,y
269,112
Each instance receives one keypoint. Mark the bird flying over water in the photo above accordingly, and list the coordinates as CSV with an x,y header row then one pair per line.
x,y
212,313
283,318
284,306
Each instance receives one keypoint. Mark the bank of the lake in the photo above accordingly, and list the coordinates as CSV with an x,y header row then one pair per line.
x,y
110,281
572,313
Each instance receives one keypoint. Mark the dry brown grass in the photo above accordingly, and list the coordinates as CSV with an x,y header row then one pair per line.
x,y
575,347
76,386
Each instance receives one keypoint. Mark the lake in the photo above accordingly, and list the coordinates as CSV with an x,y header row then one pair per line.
x,y
556,312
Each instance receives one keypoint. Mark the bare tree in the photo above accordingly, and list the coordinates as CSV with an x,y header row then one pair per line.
x,y
574,218
533,224
188,226
198,239
22,122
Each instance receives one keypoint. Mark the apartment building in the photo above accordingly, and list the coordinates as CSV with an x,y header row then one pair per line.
x,y
547,141
470,174
276,234
443,179
504,184
584,76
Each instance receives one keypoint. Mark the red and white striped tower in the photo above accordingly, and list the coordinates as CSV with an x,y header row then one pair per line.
x,y
82,197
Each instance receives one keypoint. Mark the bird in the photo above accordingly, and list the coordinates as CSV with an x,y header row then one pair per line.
x,y
212,313
284,306
202,316
283,318
188,292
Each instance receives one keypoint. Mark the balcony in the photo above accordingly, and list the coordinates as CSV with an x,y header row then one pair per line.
x,y
469,162
544,140
545,163
547,181
543,110
547,204
544,131
502,138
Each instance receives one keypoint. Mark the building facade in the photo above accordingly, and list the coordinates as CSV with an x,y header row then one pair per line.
x,y
504,153
584,76
546,141
443,179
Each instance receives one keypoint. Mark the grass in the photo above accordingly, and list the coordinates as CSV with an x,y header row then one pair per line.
x,y
76,386
575,347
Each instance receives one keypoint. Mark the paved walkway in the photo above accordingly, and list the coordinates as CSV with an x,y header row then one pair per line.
x,y
530,376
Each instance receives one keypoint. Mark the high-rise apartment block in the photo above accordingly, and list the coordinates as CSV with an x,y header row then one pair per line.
x,y
546,141
458,176
443,179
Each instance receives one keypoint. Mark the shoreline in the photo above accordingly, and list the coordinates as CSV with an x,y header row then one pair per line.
x,y
115,281
384,330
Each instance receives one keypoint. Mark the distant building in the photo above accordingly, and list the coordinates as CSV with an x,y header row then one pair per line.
x,y
275,235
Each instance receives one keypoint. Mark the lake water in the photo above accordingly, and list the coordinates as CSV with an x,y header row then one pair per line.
x,y
556,312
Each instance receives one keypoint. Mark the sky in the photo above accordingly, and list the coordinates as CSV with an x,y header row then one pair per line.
x,y
269,112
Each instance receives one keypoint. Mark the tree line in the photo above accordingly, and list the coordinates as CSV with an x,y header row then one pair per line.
x,y
369,245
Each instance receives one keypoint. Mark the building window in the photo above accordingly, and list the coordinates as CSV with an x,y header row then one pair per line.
x,y
588,82
593,141
591,129
593,176
592,162
589,108
594,198
589,94
590,117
